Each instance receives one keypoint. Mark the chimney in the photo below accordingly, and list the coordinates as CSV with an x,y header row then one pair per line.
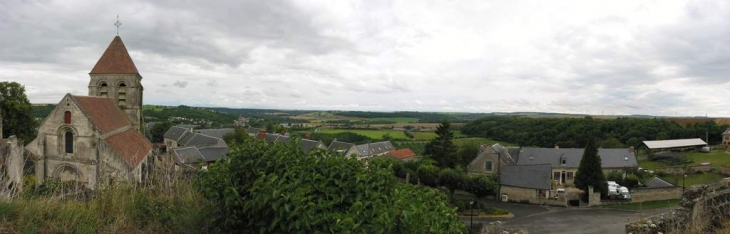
x,y
261,135
557,146
632,150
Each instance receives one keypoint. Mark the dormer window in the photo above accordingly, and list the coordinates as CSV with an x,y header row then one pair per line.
x,y
563,160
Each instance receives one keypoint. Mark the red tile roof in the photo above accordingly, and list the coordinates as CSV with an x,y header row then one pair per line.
x,y
131,146
115,60
402,153
102,112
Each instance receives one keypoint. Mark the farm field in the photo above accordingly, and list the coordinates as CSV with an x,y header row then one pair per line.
x,y
373,134
694,179
478,140
397,120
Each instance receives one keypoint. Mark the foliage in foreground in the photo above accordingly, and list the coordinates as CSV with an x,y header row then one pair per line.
x,y
278,189
120,209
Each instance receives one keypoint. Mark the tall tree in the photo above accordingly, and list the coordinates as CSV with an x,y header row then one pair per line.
x,y
590,172
17,112
442,149
157,132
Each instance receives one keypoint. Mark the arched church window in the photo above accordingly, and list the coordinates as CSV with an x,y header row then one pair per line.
x,y
122,95
69,140
104,90
67,117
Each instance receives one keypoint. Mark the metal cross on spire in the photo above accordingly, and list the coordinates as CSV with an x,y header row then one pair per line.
x,y
118,24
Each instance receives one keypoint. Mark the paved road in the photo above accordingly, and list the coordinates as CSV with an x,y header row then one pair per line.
x,y
544,219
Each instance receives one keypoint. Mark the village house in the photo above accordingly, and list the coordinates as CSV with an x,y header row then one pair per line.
x,y
97,139
362,151
525,183
189,149
490,159
726,138
306,145
403,155
565,162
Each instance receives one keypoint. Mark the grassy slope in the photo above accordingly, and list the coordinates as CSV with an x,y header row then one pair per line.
x,y
717,158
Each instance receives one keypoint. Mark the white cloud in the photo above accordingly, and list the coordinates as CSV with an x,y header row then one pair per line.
x,y
617,57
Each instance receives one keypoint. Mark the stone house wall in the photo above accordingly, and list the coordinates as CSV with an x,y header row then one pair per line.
x,y
486,154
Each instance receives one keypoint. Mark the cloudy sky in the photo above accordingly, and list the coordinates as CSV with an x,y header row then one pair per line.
x,y
591,57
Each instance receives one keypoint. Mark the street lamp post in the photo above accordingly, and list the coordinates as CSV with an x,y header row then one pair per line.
x,y
471,215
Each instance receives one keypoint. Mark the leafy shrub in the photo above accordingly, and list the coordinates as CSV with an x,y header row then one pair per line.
x,y
277,189
428,174
615,176
481,186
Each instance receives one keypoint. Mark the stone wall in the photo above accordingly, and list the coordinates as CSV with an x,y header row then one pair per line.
x,y
11,161
528,195
703,209
518,194
655,194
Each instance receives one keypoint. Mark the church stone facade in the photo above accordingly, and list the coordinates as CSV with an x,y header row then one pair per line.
x,y
97,139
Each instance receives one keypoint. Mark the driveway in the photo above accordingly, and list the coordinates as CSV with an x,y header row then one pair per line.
x,y
545,219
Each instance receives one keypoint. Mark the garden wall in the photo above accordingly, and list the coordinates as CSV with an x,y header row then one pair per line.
x,y
655,194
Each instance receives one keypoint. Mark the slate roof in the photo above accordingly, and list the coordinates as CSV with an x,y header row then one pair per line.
x,y
610,158
726,132
339,146
211,154
131,146
102,112
217,133
402,153
254,131
526,176
276,138
199,140
175,133
115,60
188,155
657,182
308,145
374,148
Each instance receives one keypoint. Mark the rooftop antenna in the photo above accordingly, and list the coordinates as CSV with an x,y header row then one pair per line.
x,y
118,24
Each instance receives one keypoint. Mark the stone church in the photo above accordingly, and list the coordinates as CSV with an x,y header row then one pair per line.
x,y
97,139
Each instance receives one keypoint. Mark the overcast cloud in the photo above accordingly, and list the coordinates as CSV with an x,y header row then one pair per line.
x,y
589,57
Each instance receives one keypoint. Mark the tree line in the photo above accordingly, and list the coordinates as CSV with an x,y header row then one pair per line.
x,y
574,132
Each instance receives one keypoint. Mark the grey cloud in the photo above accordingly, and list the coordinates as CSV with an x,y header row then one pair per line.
x,y
180,84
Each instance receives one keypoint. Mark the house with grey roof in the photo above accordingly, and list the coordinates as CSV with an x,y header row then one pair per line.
x,y
726,137
217,133
490,159
305,144
191,157
189,149
342,147
526,182
373,149
565,162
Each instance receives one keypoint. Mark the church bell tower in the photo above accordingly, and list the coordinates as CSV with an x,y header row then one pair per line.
x,y
115,76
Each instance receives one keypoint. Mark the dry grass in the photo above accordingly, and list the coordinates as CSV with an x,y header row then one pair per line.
x,y
168,203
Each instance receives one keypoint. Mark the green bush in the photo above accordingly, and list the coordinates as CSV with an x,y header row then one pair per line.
x,y
428,174
615,176
480,186
277,189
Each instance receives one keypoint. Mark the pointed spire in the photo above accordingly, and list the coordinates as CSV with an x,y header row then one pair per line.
x,y
115,60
